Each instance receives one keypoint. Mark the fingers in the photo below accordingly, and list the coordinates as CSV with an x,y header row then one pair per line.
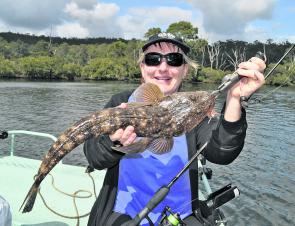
x,y
128,136
253,64
259,62
253,69
259,77
253,74
116,135
122,105
125,137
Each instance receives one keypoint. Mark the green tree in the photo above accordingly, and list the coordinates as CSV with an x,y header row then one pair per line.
x,y
4,48
183,29
7,68
210,75
117,49
110,68
43,67
71,71
40,48
152,31
96,50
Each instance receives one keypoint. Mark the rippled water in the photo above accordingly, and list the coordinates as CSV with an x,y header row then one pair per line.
x,y
264,172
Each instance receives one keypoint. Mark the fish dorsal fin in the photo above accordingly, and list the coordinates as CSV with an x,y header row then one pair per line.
x,y
161,145
148,92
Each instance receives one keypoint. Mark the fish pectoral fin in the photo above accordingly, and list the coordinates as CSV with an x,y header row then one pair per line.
x,y
138,146
148,92
161,145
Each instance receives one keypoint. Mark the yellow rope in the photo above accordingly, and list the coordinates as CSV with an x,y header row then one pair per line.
x,y
74,196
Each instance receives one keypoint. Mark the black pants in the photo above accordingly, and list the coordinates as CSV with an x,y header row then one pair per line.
x,y
117,219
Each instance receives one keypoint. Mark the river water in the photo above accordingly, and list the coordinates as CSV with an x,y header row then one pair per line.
x,y
264,171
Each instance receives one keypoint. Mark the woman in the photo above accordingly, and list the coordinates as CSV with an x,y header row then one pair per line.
x,y
132,179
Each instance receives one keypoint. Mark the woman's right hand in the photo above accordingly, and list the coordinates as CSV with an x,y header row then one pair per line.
x,y
124,136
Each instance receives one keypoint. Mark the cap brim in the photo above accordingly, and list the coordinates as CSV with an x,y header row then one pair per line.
x,y
181,45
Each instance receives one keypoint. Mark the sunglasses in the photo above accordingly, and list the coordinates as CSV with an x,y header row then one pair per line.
x,y
172,59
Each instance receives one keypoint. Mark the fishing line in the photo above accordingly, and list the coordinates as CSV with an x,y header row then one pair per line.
x,y
259,99
180,208
274,67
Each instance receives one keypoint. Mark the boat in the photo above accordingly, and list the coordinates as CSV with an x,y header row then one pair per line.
x,y
66,194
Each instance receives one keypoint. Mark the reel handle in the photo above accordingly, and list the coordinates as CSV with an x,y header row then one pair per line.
x,y
231,79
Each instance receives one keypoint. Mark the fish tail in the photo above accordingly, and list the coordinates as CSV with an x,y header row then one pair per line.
x,y
29,201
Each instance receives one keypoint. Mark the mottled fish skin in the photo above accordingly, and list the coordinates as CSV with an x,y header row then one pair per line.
x,y
173,115
188,109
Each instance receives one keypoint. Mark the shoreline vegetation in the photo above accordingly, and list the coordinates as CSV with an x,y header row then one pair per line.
x,y
32,57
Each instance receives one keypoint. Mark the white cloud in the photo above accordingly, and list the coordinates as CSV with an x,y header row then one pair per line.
x,y
162,15
139,20
255,33
85,4
229,18
98,12
290,38
31,14
70,30
100,20
89,17
3,27
132,27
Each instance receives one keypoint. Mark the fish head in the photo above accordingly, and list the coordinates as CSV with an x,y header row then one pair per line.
x,y
203,101
203,104
188,109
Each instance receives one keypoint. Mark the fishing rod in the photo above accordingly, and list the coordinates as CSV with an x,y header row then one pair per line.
x,y
232,79
216,199
280,60
161,193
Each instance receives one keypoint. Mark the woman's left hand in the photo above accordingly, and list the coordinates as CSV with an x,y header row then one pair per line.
x,y
252,79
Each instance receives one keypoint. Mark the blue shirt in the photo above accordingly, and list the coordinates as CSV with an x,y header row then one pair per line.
x,y
142,174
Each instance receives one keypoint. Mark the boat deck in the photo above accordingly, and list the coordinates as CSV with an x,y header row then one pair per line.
x,y
16,178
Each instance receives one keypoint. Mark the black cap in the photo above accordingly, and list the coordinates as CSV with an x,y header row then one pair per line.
x,y
166,37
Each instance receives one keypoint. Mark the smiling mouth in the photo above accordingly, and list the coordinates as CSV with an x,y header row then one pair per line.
x,y
163,78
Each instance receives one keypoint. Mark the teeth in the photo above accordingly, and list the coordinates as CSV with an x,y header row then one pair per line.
x,y
163,78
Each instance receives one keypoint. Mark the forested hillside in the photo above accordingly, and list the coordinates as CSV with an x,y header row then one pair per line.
x,y
41,57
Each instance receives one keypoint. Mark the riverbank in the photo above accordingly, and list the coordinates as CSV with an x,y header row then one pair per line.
x,y
275,80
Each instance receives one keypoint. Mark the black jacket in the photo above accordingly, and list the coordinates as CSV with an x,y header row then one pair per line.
x,y
226,140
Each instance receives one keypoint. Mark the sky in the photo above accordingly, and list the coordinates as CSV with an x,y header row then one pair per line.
x,y
246,20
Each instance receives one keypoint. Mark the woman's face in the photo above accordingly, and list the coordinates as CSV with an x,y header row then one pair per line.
x,y
167,77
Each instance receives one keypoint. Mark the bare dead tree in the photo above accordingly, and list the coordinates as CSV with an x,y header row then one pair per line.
x,y
238,55
216,56
222,64
203,56
211,55
217,48
213,52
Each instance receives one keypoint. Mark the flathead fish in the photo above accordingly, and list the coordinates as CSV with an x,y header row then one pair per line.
x,y
156,119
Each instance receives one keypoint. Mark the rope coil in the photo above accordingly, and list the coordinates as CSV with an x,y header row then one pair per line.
x,y
75,195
